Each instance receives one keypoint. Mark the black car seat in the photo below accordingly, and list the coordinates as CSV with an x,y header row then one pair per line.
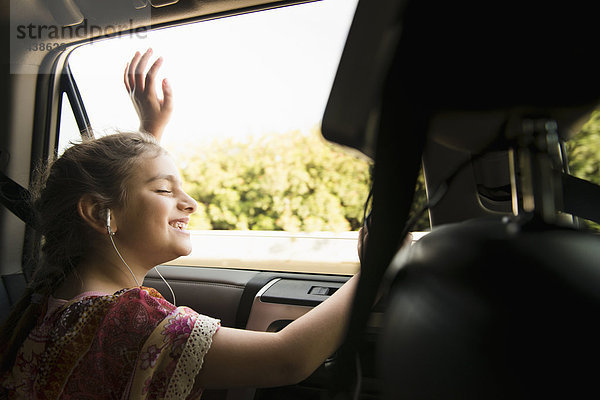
x,y
489,309
504,306
12,288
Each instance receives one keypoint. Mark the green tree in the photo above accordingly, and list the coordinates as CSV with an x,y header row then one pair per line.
x,y
584,154
419,201
294,182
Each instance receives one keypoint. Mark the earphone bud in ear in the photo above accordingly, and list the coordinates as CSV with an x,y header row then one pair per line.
x,y
110,235
110,232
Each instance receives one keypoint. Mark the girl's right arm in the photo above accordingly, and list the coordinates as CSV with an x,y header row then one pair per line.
x,y
240,358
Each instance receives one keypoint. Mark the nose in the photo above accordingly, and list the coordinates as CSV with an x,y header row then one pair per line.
x,y
187,203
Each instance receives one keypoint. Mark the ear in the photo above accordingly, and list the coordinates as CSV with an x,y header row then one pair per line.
x,y
93,214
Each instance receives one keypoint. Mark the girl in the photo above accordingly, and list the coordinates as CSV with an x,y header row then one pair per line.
x,y
109,211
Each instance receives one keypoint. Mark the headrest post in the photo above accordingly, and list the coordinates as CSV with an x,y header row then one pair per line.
x,y
536,168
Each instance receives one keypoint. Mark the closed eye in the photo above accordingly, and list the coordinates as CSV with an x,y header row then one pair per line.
x,y
163,191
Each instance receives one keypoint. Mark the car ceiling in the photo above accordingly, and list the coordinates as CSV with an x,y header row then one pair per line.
x,y
125,15
116,12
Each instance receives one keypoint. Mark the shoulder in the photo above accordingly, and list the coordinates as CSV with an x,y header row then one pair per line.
x,y
147,296
135,305
141,304
147,304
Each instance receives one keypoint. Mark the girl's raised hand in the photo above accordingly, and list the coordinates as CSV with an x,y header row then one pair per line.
x,y
154,113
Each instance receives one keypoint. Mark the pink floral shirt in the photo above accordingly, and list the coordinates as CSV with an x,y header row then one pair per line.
x,y
129,345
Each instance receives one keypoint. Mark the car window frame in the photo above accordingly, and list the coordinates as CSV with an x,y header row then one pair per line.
x,y
68,85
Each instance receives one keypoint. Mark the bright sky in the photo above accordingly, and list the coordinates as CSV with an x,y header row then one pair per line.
x,y
258,73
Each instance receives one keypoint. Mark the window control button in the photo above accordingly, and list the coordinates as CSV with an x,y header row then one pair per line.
x,y
319,290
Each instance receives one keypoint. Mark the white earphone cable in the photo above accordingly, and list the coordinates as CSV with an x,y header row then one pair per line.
x,y
133,276
166,283
110,235
121,257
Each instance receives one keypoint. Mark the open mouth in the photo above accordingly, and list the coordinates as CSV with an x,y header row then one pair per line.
x,y
179,225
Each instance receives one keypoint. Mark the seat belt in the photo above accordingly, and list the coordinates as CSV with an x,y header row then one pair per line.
x,y
16,199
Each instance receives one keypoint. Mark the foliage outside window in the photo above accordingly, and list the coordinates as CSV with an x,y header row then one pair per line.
x,y
291,182
584,155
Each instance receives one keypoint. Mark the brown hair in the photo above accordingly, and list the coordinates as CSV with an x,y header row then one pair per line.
x,y
98,167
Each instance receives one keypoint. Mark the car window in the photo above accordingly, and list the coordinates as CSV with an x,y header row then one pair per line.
x,y
250,92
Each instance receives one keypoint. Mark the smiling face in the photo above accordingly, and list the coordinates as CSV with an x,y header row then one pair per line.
x,y
151,226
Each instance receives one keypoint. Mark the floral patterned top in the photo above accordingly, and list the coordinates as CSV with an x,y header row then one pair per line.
x,y
133,344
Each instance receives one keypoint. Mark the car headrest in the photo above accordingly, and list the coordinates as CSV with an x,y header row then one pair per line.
x,y
492,310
